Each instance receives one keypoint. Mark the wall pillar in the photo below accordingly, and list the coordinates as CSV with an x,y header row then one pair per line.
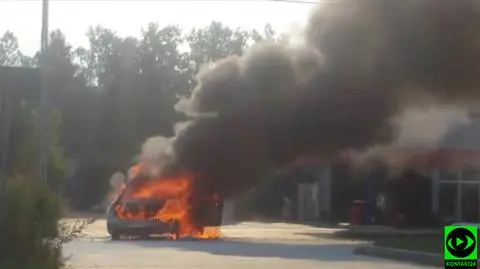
x,y
228,214
435,190
324,193
458,207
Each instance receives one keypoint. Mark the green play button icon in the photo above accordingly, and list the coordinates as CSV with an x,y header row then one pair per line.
x,y
458,242
460,246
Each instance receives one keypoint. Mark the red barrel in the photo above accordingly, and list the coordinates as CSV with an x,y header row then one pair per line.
x,y
356,212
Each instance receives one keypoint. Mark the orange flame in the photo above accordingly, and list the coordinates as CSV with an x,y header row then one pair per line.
x,y
177,192
136,170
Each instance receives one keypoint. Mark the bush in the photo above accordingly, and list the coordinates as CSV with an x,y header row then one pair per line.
x,y
31,234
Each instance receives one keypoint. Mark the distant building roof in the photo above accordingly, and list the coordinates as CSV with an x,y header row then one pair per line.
x,y
23,81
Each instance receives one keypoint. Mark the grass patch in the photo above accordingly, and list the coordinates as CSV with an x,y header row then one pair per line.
x,y
424,243
428,242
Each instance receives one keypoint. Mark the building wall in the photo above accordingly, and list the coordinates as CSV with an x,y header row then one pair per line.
x,y
307,202
228,214
314,198
456,194
455,184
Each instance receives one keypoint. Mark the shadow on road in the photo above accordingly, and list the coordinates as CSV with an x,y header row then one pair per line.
x,y
303,251
328,235
370,233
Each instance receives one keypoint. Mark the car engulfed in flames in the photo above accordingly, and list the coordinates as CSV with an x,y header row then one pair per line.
x,y
145,206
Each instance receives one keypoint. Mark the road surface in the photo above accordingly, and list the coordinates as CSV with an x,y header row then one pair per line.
x,y
246,245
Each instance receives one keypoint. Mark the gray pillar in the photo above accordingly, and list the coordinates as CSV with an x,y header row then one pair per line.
x,y
228,214
301,202
324,192
458,208
435,190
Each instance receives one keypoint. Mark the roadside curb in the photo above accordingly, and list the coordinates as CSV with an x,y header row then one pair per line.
x,y
418,257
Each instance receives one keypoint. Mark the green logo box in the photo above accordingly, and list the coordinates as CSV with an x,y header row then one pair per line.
x,y
460,245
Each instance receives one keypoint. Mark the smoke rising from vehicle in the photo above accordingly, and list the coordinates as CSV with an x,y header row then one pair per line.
x,y
434,124
418,129
117,181
363,64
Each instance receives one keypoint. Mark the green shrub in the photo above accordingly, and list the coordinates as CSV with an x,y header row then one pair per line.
x,y
31,232
31,229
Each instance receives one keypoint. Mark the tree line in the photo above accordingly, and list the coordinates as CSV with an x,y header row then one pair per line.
x,y
110,96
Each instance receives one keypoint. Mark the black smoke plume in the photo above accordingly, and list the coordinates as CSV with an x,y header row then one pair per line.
x,y
362,63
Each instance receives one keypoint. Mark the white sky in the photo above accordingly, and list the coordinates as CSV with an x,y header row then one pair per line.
x,y
127,17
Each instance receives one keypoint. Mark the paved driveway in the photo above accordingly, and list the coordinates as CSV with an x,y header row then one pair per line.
x,y
246,245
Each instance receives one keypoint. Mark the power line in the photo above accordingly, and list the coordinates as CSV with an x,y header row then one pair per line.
x,y
297,1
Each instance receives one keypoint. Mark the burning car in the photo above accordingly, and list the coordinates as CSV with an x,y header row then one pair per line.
x,y
146,206
140,218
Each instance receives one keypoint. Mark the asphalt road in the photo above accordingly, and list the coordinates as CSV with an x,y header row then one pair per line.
x,y
245,245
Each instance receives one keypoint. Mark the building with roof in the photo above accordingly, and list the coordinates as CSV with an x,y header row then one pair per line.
x,y
456,174
441,183
452,170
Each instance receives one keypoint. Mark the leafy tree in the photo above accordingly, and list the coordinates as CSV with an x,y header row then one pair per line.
x,y
24,132
30,233
217,41
164,75
112,95
66,88
10,54
103,74
269,34
25,153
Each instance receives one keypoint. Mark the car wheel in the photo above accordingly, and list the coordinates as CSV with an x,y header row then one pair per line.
x,y
115,236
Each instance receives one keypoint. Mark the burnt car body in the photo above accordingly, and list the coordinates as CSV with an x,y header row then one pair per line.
x,y
146,226
210,215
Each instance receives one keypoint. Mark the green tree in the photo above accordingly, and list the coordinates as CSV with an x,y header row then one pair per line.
x,y
115,93
25,154
30,211
10,54
217,41
164,75
269,34
66,87
101,102
24,131
138,81
110,66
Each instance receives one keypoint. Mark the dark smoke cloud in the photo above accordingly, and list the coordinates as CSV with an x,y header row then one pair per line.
x,y
362,63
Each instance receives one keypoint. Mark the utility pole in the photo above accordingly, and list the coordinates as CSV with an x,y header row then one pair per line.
x,y
44,102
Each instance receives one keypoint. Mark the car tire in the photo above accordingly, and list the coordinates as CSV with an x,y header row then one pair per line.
x,y
115,236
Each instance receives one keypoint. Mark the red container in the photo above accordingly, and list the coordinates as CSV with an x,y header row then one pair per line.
x,y
356,212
